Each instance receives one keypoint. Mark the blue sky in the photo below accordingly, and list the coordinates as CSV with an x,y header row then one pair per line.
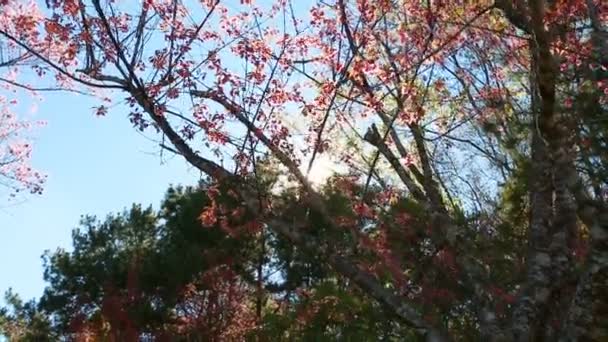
x,y
95,165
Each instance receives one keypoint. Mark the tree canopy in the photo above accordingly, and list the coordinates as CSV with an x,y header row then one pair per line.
x,y
469,138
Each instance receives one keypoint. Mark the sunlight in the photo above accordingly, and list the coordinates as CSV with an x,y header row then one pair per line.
x,y
322,169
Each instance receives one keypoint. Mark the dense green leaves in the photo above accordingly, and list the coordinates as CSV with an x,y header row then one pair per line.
x,y
158,273
25,322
